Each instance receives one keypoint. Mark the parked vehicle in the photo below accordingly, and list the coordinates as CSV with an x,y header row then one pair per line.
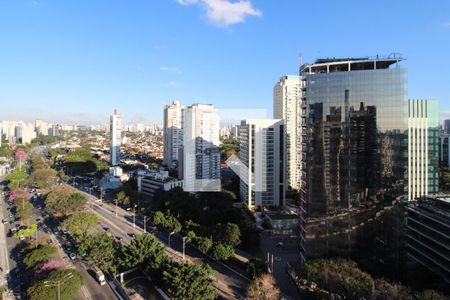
x,y
73,256
100,276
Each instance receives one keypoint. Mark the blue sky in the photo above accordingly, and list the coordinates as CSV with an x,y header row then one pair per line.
x,y
75,61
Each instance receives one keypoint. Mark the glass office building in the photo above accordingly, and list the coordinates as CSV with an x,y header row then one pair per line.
x,y
354,141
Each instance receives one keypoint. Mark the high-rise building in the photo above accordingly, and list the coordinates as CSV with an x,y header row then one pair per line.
x,y
286,106
423,144
115,137
428,234
447,126
201,153
173,134
354,154
444,148
262,153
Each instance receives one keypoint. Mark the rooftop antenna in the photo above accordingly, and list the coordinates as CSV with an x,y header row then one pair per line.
x,y
300,62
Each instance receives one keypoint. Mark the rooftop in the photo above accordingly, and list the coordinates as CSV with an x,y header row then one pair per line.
x,y
330,65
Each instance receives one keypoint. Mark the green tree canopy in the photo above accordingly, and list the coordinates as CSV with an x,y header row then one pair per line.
x,y
143,250
190,281
24,210
80,223
203,244
17,179
63,200
43,177
26,232
256,268
222,251
46,288
39,255
102,251
228,234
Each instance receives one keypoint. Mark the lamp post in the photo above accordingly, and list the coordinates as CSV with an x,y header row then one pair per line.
x,y
184,244
58,283
170,234
145,224
116,206
134,216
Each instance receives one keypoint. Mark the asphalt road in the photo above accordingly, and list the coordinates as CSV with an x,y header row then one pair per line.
x,y
229,283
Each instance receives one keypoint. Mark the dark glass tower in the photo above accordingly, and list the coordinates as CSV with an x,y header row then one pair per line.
x,y
354,159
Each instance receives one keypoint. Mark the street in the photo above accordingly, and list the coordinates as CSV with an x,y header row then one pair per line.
x,y
229,283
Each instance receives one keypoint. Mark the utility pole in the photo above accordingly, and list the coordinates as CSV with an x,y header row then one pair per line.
x,y
58,283
116,206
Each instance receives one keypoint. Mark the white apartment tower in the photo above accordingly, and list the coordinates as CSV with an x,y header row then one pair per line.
x,y
115,137
173,134
262,155
286,106
201,153
423,148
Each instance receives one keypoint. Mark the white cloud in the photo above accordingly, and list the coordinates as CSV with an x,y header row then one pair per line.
x,y
170,69
187,2
173,83
225,12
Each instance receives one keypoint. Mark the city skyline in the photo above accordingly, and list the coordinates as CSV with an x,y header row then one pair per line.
x,y
83,68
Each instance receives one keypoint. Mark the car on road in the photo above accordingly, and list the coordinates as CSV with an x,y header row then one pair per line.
x,y
106,228
72,256
11,216
22,237
119,238
131,235
4,221
279,245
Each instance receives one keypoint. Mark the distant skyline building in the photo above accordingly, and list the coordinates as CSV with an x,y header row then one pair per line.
x,y
447,126
201,153
444,148
354,137
423,145
262,181
286,106
172,134
115,137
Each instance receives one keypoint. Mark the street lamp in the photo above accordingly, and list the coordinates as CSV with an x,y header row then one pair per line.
x,y
116,206
170,234
184,244
134,215
58,283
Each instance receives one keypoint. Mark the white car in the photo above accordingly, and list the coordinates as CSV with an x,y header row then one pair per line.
x,y
21,238
72,256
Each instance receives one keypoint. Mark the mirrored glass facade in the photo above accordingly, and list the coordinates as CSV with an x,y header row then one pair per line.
x,y
354,138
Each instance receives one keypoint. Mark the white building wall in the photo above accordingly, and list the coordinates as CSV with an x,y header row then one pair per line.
x,y
173,133
286,106
115,137
262,153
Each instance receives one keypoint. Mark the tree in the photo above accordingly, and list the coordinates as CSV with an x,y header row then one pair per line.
x,y
80,223
16,179
43,178
39,255
123,198
47,288
256,267
228,234
143,250
102,251
26,232
203,244
189,281
46,268
24,211
222,251
263,288
63,200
